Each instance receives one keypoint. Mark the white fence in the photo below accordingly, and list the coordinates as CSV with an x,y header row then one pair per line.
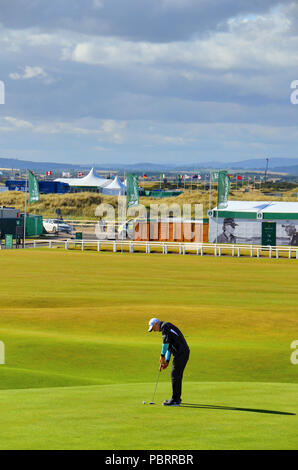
x,y
201,249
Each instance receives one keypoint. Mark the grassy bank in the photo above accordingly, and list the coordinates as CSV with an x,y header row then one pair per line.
x,y
83,205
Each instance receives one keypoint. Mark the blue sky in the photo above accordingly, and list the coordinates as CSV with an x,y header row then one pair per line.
x,y
173,81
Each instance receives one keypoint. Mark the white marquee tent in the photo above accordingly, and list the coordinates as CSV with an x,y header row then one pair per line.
x,y
88,181
115,188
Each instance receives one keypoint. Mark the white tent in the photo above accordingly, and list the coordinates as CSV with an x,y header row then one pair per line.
x,y
90,180
115,188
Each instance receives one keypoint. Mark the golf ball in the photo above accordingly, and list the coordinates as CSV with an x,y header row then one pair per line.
x,y
144,403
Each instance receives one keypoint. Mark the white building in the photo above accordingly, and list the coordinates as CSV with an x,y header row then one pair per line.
x,y
255,222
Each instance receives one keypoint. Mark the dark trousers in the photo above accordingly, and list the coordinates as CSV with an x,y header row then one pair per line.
x,y
179,363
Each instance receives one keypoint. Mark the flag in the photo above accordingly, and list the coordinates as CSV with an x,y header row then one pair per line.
x,y
33,188
163,175
48,173
239,177
80,173
132,191
144,176
214,176
199,177
223,189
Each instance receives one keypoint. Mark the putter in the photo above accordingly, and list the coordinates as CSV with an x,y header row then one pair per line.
x,y
152,402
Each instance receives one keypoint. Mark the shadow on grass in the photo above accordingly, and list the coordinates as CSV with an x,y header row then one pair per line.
x,y
233,408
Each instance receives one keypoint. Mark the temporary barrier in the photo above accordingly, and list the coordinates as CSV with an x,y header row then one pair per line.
x,y
200,249
34,225
161,194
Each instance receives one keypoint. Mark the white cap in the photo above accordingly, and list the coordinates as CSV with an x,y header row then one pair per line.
x,y
152,322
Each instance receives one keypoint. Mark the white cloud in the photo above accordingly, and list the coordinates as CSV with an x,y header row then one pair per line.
x,y
28,73
236,74
179,4
104,130
19,123
98,4
100,148
249,43
113,131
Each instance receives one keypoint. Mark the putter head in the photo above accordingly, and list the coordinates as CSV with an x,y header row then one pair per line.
x,y
151,403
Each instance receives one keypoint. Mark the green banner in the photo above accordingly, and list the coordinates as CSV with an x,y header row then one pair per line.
x,y
223,189
214,176
33,188
132,191
8,240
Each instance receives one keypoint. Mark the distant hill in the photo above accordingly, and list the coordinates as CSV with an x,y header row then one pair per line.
x,y
293,170
254,164
23,164
260,164
286,165
14,163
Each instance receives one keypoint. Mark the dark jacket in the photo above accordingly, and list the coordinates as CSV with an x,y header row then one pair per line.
x,y
223,238
172,336
294,240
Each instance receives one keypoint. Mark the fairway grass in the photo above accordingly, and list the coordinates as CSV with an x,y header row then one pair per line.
x,y
79,360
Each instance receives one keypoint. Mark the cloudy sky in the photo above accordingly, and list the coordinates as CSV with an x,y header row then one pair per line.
x,y
100,81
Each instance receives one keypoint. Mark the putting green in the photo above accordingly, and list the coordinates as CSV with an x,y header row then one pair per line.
x,y
221,416
79,361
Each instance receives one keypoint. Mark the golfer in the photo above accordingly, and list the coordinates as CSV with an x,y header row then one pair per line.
x,y
173,343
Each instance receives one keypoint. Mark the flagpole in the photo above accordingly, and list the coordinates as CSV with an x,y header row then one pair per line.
x,y
210,189
217,209
25,214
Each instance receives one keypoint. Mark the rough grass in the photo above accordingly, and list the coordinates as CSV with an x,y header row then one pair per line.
x,y
83,205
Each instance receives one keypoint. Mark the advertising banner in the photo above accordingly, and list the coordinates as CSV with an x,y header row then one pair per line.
x,y
223,189
253,232
230,230
33,188
287,232
132,192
